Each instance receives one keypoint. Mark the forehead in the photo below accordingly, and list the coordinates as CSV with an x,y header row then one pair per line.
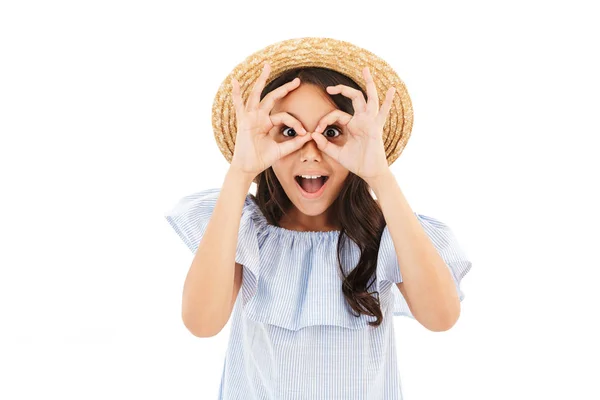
x,y
306,99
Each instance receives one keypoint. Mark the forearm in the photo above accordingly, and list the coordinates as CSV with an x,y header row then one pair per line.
x,y
427,282
208,286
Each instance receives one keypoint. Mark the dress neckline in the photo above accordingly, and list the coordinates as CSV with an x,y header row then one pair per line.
x,y
290,232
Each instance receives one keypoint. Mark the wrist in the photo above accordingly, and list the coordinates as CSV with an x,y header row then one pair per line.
x,y
379,181
239,175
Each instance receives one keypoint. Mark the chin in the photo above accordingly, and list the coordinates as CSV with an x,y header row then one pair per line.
x,y
312,210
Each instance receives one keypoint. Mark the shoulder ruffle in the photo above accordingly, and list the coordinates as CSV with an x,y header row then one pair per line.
x,y
389,272
189,218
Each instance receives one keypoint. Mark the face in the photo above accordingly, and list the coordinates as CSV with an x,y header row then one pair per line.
x,y
308,104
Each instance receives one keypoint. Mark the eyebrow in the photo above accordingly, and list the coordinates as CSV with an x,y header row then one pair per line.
x,y
293,115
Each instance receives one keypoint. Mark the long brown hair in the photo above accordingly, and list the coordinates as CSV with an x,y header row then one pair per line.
x,y
359,215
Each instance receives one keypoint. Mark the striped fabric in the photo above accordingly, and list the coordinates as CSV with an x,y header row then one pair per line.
x,y
292,334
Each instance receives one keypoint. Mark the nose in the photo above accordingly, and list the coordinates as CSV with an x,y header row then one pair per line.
x,y
310,151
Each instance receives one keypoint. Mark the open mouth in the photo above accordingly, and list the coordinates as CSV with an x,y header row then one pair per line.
x,y
311,186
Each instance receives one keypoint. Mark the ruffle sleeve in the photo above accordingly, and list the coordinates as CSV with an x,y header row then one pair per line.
x,y
390,272
189,218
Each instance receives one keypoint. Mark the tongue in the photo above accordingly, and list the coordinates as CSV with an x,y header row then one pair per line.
x,y
312,185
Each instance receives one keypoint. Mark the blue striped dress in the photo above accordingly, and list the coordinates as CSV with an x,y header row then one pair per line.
x,y
292,334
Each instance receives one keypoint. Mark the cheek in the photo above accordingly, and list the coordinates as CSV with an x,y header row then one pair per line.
x,y
339,170
277,172
281,172
341,177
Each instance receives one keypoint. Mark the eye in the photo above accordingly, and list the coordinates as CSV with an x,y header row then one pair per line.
x,y
330,129
293,134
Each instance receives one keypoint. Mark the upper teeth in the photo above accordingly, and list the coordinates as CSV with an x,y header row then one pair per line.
x,y
310,176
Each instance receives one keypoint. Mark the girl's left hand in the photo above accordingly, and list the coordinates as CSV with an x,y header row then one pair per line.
x,y
363,152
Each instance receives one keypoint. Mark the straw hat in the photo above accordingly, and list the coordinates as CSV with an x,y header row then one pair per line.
x,y
338,55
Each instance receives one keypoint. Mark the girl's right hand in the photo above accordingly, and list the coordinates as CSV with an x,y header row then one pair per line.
x,y
255,149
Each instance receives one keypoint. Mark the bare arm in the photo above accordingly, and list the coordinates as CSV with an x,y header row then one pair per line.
x,y
427,284
209,284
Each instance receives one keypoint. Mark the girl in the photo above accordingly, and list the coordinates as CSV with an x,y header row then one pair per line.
x,y
312,268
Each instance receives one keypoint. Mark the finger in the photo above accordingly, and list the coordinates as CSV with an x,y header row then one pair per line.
x,y
386,106
373,97
254,98
289,146
331,149
235,96
358,100
269,101
284,118
334,116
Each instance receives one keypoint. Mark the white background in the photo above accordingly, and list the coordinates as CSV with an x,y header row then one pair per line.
x,y
105,122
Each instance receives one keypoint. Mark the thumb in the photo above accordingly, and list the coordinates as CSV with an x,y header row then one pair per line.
x,y
289,146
